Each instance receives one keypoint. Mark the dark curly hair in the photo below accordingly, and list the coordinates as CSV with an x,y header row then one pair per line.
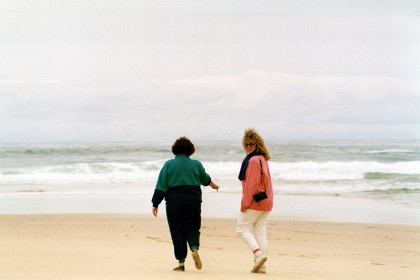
x,y
183,145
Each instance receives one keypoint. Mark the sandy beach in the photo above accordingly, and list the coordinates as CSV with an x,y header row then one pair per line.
x,y
125,246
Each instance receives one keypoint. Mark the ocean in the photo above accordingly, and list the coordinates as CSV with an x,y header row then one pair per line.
x,y
387,171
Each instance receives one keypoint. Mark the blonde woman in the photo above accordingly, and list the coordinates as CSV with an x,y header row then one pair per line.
x,y
257,198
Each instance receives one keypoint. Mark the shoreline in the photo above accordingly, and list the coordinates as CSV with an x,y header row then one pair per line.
x,y
133,246
218,205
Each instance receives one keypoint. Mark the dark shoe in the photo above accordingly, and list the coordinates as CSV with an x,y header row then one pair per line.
x,y
196,259
179,268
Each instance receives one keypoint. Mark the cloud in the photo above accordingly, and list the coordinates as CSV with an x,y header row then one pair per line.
x,y
286,101
282,105
287,89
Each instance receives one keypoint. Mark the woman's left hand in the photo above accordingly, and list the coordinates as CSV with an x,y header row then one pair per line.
x,y
155,211
214,186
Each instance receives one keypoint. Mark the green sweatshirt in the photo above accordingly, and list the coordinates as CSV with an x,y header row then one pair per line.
x,y
179,181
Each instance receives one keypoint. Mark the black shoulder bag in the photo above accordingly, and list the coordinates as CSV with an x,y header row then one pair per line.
x,y
261,195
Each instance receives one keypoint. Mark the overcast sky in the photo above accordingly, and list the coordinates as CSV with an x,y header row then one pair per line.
x,y
130,70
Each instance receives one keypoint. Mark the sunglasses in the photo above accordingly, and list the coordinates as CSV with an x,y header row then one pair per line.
x,y
249,144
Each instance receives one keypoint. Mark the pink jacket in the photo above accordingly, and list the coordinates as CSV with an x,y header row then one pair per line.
x,y
253,184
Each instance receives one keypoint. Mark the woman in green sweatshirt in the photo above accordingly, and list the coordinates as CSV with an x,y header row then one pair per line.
x,y
179,183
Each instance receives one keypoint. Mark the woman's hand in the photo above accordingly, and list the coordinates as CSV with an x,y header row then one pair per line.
x,y
214,186
155,211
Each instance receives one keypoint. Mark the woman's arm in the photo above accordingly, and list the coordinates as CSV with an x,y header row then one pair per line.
x,y
253,178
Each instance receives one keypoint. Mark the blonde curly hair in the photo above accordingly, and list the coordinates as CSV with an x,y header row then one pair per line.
x,y
251,134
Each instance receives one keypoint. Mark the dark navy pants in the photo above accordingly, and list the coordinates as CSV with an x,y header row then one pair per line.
x,y
184,224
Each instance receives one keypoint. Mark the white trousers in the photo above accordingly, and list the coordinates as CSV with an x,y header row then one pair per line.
x,y
252,227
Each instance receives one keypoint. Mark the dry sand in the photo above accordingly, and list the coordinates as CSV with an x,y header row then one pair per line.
x,y
139,247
